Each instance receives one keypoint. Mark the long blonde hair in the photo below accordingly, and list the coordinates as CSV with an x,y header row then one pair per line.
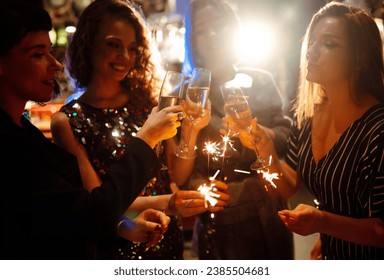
x,y
365,60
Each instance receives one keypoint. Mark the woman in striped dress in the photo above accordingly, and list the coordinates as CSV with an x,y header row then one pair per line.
x,y
337,146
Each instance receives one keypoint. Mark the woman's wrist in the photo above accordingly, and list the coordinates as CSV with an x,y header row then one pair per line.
x,y
171,208
125,227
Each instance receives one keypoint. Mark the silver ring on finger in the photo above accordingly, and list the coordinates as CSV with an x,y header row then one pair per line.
x,y
187,202
180,116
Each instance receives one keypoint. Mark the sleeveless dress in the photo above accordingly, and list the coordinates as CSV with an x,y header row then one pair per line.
x,y
105,134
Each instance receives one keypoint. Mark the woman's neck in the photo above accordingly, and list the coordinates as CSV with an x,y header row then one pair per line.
x,y
13,106
344,110
105,95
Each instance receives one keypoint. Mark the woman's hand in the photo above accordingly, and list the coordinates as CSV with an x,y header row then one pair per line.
x,y
160,125
185,203
203,121
149,226
302,220
260,135
197,125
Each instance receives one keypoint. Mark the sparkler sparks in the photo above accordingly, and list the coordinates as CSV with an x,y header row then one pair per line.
x,y
266,175
212,149
214,176
209,194
226,143
269,176
242,171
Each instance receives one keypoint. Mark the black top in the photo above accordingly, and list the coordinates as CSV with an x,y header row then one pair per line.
x,y
252,210
45,211
348,180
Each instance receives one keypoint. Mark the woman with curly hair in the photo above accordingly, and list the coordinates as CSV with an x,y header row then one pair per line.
x,y
112,58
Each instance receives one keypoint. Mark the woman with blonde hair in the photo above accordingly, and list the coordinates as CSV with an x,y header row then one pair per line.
x,y
337,147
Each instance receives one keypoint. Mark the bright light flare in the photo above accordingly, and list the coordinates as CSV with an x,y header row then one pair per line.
x,y
257,42
212,149
209,194
269,177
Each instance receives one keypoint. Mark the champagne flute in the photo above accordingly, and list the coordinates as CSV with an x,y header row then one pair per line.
x,y
170,95
195,101
236,107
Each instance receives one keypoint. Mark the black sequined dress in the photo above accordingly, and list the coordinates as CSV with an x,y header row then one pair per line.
x,y
105,134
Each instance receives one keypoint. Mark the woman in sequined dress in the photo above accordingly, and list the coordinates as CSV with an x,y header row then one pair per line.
x,y
45,211
110,56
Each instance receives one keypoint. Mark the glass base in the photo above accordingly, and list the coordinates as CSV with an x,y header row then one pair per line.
x,y
186,153
163,167
261,163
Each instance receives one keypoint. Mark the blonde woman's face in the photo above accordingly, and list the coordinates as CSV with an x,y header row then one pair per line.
x,y
115,50
327,53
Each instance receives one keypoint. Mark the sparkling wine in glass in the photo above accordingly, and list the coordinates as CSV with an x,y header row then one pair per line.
x,y
236,107
195,101
170,95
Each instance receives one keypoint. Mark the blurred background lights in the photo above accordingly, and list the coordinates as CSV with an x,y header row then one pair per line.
x,y
257,42
70,29
53,36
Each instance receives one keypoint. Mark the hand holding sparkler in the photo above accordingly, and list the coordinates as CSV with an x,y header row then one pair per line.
x,y
149,226
216,195
185,203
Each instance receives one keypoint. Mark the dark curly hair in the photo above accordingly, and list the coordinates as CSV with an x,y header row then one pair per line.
x,y
143,76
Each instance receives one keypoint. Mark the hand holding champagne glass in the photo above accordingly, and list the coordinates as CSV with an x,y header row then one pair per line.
x,y
170,95
236,107
195,102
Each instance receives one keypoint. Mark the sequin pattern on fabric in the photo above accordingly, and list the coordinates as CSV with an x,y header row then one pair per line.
x,y
105,134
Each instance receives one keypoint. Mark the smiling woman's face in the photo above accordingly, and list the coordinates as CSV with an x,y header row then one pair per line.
x,y
115,49
29,69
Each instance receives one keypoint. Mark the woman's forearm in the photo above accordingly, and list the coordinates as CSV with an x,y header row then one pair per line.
x,y
181,168
367,231
158,202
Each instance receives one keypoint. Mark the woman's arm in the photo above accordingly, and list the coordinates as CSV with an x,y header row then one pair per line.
x,y
305,220
288,182
63,136
181,168
183,203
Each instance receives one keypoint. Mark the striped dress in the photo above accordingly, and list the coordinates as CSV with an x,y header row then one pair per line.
x,y
348,180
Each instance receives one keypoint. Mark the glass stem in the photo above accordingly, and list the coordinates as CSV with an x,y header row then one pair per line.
x,y
186,144
158,149
256,152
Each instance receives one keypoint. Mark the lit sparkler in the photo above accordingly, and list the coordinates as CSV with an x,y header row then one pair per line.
x,y
214,176
227,142
209,194
211,149
225,146
269,176
266,175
